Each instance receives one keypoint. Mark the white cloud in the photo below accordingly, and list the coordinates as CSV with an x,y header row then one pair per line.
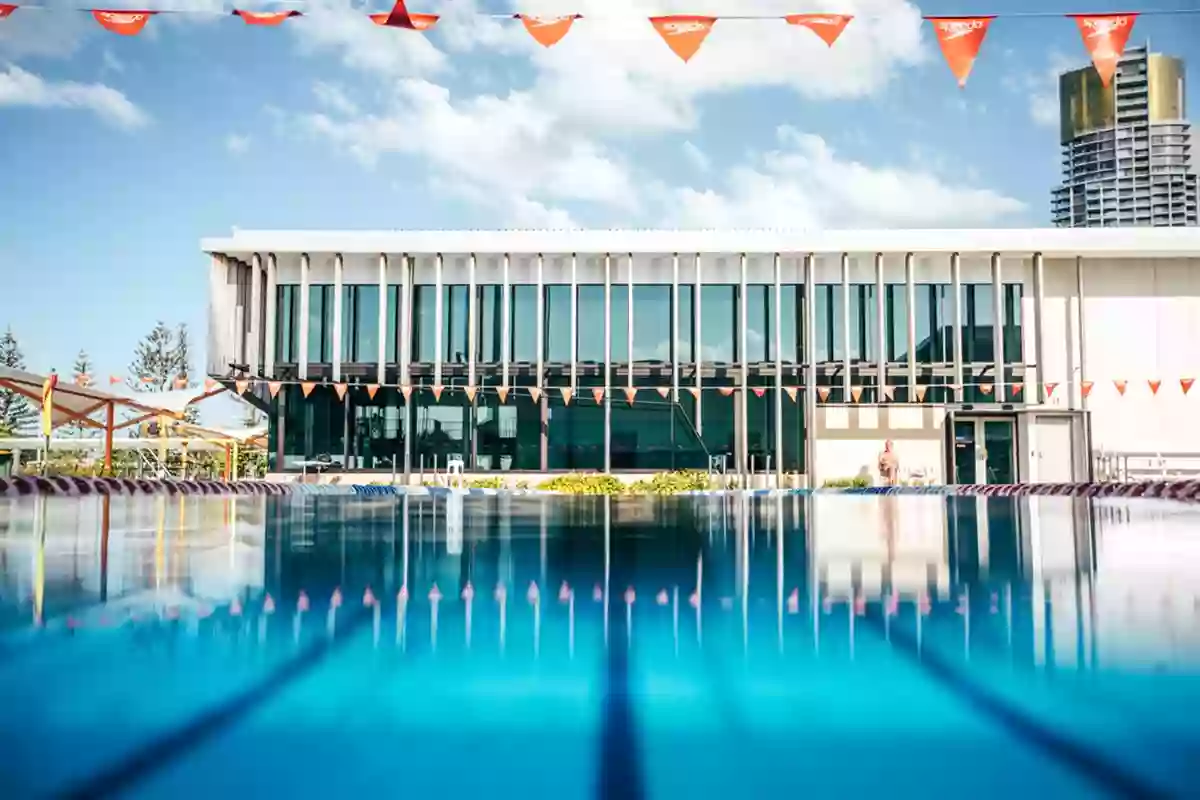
x,y
111,63
696,157
237,144
21,88
47,33
334,98
804,183
1041,89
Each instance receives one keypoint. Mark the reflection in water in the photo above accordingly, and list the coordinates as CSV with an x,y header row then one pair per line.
x,y
718,593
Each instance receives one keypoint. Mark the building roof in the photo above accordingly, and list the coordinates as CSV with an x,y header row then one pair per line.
x,y
1051,242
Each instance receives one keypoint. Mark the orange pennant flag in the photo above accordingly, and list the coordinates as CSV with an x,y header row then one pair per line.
x,y
82,379
181,383
502,393
6,10
470,392
209,384
535,393
416,22
598,396
1016,388
1104,36
791,392
856,393
126,23
663,391
960,39
920,393
567,391
1186,384
306,387
1050,387
241,386
273,387
1121,385
1154,386
630,393
727,390
340,388
372,388
113,380
406,391
823,393
1085,388
437,393
828,26
986,388
759,391
265,18
547,31
683,34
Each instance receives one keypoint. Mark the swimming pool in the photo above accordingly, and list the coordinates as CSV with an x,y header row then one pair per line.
x,y
532,646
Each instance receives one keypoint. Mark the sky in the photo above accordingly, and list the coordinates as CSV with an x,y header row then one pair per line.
x,y
118,154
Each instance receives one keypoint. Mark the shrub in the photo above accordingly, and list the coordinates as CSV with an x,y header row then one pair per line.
x,y
486,483
665,483
577,483
857,482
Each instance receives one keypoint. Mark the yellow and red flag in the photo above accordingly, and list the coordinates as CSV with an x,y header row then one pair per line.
x,y
48,403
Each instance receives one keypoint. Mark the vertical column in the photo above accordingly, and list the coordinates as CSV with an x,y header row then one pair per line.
x,y
629,321
881,325
998,328
541,331
381,358
505,323
271,314
302,362
255,349
743,448
698,353
574,320
778,315
471,334
910,292
1039,342
337,317
674,329
957,292
404,319
1083,373
846,361
810,369
438,315
607,362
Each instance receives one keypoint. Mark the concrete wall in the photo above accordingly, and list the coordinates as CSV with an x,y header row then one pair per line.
x,y
1141,322
850,438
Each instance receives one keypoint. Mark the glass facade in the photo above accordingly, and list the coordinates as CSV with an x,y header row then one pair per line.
x,y
384,432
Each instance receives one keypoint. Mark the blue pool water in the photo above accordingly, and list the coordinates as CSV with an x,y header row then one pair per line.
x,y
828,646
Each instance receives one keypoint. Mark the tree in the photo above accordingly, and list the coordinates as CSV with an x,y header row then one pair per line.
x,y
181,362
82,374
16,413
154,362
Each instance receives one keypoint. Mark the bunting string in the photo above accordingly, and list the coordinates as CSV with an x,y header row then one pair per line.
x,y
960,38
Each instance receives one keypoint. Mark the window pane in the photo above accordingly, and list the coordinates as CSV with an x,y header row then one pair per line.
x,y
320,324
558,323
830,344
789,324
424,324
980,344
620,323
687,326
652,323
759,331
897,323
360,327
863,326
590,333
1012,324
491,317
287,327
718,322
455,321
524,323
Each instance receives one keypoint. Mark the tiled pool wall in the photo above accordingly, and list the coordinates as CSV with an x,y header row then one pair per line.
x,y
1188,490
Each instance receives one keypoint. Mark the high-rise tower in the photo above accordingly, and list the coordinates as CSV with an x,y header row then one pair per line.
x,y
1126,148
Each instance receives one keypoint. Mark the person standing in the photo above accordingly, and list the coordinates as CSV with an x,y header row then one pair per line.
x,y
889,465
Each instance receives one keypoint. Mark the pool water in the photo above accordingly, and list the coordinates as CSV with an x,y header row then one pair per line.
x,y
528,646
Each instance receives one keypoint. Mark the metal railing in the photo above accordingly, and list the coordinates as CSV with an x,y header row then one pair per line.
x,y
1134,466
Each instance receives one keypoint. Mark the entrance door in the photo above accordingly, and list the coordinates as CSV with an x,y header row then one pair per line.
x,y
984,450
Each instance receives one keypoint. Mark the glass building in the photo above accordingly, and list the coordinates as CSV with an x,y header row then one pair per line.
x,y
518,351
